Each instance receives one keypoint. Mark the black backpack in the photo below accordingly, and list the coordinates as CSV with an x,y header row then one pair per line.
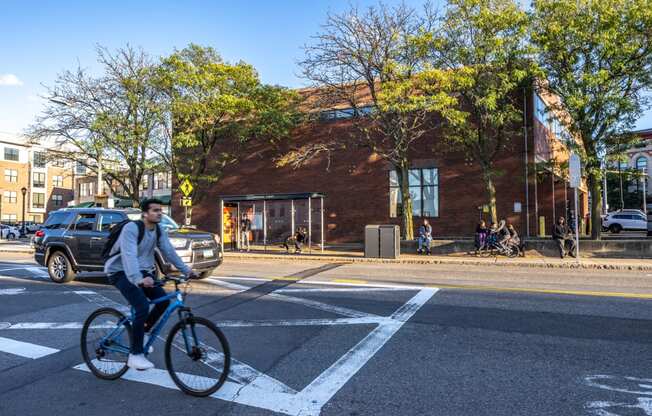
x,y
115,234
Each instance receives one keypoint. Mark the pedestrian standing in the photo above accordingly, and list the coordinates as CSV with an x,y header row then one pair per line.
x,y
245,228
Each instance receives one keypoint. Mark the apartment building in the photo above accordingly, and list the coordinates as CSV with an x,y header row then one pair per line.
x,y
48,184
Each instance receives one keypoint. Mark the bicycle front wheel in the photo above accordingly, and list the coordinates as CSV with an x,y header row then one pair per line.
x,y
197,356
105,342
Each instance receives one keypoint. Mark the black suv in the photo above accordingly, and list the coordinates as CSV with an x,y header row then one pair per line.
x,y
72,239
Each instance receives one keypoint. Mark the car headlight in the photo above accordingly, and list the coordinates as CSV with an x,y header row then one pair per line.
x,y
178,242
217,239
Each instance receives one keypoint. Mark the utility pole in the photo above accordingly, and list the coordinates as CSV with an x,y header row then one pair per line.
x,y
644,180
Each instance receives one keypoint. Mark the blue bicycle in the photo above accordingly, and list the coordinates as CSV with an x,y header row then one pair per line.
x,y
197,355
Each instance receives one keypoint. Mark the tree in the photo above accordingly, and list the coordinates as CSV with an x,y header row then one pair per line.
x,y
480,43
106,123
367,60
597,57
213,109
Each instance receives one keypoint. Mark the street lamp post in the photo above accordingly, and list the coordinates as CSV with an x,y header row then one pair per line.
x,y
23,190
643,180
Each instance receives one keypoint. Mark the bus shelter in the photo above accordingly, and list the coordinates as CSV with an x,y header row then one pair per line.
x,y
274,217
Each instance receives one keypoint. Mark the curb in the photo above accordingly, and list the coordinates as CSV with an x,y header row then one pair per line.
x,y
468,262
17,250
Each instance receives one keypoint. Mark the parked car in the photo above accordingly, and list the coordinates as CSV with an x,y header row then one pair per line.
x,y
618,221
30,226
72,239
9,232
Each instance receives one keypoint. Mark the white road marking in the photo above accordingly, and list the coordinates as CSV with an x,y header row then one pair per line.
x,y
620,384
102,301
13,291
339,310
25,349
324,387
222,324
254,388
328,283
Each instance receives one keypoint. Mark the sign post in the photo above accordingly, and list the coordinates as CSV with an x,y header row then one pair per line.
x,y
575,173
186,188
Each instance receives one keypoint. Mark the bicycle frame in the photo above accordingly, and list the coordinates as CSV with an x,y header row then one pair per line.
x,y
176,305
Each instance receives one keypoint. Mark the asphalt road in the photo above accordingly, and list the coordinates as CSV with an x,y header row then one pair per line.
x,y
345,340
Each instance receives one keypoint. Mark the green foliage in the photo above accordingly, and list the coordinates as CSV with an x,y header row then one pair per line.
x,y
216,109
597,57
478,51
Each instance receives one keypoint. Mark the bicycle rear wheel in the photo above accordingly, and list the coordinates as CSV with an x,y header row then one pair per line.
x,y
512,251
105,342
197,356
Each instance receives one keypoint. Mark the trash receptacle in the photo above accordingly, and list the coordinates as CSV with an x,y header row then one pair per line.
x,y
382,241
390,242
372,241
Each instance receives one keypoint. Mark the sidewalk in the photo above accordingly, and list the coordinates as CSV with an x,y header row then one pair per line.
x,y
532,259
16,246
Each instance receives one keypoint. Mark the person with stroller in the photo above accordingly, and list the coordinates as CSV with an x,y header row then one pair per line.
x,y
481,233
298,239
424,238
502,234
514,239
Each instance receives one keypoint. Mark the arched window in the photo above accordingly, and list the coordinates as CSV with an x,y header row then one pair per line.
x,y
641,163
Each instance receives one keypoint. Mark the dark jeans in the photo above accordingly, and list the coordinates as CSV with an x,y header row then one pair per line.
x,y
563,243
137,297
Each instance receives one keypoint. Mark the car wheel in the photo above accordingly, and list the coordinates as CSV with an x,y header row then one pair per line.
x,y
59,268
11,236
615,228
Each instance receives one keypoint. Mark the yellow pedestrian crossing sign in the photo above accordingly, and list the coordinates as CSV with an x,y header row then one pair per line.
x,y
186,187
186,202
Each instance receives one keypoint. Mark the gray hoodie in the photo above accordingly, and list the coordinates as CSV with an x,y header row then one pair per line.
x,y
135,257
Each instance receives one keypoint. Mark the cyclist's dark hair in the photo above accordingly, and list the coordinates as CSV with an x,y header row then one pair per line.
x,y
144,206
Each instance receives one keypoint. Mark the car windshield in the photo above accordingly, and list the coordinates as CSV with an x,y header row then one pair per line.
x,y
167,223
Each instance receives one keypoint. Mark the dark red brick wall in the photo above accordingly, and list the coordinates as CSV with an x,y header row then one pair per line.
x,y
357,185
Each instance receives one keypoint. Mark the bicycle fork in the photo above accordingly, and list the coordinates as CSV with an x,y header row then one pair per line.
x,y
192,348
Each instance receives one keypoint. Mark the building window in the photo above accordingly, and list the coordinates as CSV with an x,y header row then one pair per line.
x,y
9,218
57,200
39,159
424,190
38,200
145,182
641,163
11,154
80,169
160,180
57,181
86,189
39,180
59,163
10,197
11,175
345,113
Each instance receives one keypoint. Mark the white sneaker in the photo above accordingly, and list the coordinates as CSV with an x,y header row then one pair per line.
x,y
145,341
139,362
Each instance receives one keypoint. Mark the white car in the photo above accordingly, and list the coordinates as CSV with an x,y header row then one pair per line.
x,y
618,221
9,232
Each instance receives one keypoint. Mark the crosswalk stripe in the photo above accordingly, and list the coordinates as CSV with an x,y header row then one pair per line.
x,y
25,349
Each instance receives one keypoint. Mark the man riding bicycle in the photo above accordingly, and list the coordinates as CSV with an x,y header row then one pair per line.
x,y
131,267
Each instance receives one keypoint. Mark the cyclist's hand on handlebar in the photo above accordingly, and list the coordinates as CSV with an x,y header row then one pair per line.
x,y
147,282
192,275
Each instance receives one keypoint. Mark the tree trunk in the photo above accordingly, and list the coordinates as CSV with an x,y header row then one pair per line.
x,y
402,174
596,204
490,187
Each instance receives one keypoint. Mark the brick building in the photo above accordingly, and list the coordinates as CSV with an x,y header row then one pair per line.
x,y
25,165
359,188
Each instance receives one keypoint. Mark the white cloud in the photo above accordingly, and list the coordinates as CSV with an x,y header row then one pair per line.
x,y
9,80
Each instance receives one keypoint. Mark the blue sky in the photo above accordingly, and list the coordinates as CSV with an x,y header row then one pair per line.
x,y
40,39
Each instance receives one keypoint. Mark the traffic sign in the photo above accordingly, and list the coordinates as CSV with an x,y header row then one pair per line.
x,y
186,187
186,202
575,170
